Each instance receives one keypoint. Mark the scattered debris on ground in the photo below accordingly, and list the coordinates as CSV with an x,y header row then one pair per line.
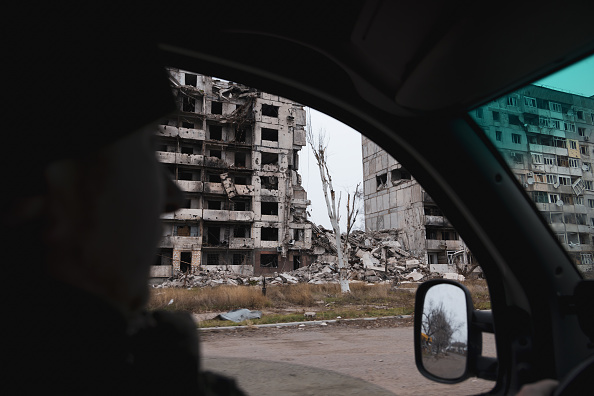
x,y
373,257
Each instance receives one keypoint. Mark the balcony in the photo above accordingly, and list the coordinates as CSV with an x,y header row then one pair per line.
x,y
227,215
184,133
434,244
178,158
241,215
187,214
241,243
189,186
181,242
436,221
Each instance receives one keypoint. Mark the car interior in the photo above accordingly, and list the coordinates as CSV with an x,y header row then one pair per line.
x,y
406,74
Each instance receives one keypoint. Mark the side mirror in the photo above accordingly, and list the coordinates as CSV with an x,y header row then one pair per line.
x,y
448,334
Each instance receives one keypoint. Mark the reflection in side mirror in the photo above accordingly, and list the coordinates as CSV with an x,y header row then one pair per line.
x,y
444,331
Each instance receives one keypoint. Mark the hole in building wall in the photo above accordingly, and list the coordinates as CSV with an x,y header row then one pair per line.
x,y
269,208
270,134
269,110
269,260
269,158
241,134
215,205
185,261
269,182
241,231
212,259
239,259
215,132
191,79
213,235
216,108
269,234
216,153
296,262
189,104
189,125
214,178
240,159
240,180
381,181
400,174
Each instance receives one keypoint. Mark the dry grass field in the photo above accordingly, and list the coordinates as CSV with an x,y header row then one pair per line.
x,y
286,303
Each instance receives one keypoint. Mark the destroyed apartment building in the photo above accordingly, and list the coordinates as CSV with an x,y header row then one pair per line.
x,y
234,152
394,200
545,136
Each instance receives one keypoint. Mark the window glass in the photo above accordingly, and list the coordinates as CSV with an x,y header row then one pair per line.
x,y
550,123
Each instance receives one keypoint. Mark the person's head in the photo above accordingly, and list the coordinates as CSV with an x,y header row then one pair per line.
x,y
82,188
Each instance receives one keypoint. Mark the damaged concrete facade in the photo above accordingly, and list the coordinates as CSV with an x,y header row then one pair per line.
x,y
234,151
545,136
394,200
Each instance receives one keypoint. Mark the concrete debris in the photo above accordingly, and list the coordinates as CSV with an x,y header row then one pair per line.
x,y
373,257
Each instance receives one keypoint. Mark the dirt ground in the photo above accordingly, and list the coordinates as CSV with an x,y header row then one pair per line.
x,y
345,358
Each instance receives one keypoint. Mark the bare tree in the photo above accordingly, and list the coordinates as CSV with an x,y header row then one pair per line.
x,y
319,146
352,213
438,325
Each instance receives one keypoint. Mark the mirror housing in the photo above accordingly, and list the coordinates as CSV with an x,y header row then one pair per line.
x,y
451,352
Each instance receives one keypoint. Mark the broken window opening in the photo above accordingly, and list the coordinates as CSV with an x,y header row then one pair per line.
x,y
270,134
269,110
215,153
216,107
241,134
269,260
187,150
241,206
189,125
191,79
269,234
188,175
215,132
213,236
269,158
241,231
240,180
269,182
239,259
296,262
430,233
188,104
240,160
214,205
297,235
400,174
212,259
381,181
269,208
214,178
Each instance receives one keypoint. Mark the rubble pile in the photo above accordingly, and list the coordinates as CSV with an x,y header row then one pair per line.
x,y
373,257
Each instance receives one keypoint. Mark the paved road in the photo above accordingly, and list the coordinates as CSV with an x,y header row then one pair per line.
x,y
372,358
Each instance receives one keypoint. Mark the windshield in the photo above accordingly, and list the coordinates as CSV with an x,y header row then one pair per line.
x,y
545,133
